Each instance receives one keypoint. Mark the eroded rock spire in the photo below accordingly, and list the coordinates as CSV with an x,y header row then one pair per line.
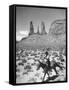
x,y
31,28
43,28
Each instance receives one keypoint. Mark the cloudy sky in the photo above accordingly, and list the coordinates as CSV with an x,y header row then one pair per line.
x,y
26,14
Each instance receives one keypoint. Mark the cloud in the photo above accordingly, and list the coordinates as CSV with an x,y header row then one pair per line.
x,y
21,34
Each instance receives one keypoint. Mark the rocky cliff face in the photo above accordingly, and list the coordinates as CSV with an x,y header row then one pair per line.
x,y
58,27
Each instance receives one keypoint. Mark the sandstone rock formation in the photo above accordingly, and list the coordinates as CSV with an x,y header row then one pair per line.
x,y
55,39
58,27
43,28
31,28
38,30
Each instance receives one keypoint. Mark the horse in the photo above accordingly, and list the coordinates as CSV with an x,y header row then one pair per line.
x,y
48,66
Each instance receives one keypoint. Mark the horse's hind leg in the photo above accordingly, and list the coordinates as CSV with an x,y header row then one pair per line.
x,y
55,70
60,67
44,76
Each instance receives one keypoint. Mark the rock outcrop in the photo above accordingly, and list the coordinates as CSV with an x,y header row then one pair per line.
x,y
43,28
38,30
31,28
55,39
58,27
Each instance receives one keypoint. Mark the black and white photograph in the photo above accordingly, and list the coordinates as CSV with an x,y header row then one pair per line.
x,y
40,44
34,44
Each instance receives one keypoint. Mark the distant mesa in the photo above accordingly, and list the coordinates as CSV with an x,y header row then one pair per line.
x,y
44,40
58,27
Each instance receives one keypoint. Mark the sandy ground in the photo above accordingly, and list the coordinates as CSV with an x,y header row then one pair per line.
x,y
28,61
